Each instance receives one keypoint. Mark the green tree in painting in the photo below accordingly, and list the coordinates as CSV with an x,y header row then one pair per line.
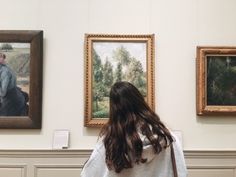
x,y
98,87
107,76
221,81
129,69
6,47
122,56
118,72
136,75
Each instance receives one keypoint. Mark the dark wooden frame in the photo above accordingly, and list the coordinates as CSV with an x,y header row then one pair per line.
x,y
201,68
89,121
34,119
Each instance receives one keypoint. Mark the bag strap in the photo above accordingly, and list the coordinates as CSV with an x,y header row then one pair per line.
x,y
173,160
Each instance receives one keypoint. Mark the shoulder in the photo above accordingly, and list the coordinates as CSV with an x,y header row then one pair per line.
x,y
5,69
177,140
95,165
98,153
99,149
179,155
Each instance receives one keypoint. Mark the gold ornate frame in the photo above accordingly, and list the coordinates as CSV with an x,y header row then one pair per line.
x,y
202,107
89,39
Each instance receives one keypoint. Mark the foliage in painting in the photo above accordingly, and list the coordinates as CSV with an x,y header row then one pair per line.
x,y
120,67
221,80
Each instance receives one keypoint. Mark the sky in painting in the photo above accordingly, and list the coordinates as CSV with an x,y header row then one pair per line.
x,y
136,50
17,45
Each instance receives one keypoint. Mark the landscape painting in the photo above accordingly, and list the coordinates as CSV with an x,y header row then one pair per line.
x,y
116,59
216,80
221,80
112,62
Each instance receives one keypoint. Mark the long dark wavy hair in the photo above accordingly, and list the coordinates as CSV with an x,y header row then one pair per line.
x,y
129,116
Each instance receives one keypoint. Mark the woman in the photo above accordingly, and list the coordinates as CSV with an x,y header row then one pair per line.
x,y
12,100
134,142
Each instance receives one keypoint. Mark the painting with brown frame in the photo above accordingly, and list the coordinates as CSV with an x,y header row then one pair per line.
x,y
112,58
216,80
21,64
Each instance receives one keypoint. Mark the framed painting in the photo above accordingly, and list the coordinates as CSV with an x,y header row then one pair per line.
x,y
112,58
216,80
21,64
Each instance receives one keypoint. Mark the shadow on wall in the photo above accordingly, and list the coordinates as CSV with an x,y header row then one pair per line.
x,y
91,131
20,132
219,120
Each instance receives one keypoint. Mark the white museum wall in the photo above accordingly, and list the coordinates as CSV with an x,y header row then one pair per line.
x,y
179,27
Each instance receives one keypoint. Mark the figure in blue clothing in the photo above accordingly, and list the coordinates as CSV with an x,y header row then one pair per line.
x,y
13,101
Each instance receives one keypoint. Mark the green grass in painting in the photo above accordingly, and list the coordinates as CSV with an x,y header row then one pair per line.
x,y
102,111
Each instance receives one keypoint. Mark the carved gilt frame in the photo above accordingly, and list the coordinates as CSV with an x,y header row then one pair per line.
x,y
92,39
205,56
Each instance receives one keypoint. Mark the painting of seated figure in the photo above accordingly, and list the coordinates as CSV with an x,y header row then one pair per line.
x,y
21,54
14,79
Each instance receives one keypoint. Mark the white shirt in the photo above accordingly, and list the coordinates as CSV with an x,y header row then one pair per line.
x,y
157,165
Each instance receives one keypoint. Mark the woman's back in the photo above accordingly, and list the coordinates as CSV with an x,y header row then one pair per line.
x,y
157,165
134,141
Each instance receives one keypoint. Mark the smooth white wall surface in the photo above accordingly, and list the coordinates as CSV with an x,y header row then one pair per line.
x,y
179,27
